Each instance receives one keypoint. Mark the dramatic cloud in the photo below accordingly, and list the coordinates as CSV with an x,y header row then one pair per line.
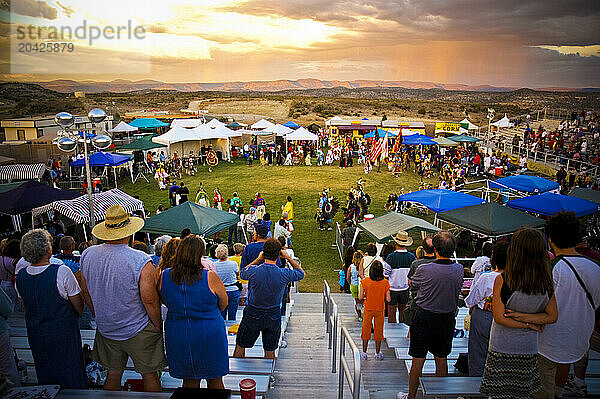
x,y
515,43
33,8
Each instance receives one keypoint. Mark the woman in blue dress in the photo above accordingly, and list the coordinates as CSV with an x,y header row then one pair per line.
x,y
53,303
196,340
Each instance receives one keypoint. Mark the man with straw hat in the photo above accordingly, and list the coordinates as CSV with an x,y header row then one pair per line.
x,y
399,261
121,282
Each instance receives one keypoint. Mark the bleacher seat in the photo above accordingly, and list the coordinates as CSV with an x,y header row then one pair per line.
x,y
404,342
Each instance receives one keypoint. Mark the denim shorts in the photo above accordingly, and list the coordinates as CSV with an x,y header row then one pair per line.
x,y
256,322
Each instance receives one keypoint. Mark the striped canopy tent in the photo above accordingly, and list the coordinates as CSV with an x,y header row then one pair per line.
x,y
78,209
22,172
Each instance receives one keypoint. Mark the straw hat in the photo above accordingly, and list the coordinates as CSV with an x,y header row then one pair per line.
x,y
403,239
117,225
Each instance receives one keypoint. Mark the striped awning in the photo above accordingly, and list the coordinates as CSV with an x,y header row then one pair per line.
x,y
78,209
22,172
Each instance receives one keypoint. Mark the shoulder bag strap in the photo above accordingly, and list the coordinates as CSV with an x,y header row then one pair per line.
x,y
587,293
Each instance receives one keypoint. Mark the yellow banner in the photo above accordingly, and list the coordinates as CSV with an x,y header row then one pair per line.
x,y
447,126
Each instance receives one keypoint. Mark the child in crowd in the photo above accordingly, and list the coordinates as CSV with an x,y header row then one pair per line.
x,y
354,281
375,291
342,280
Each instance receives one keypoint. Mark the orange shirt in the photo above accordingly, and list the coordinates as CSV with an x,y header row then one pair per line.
x,y
375,294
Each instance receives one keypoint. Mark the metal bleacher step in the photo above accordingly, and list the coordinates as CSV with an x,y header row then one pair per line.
x,y
404,342
429,368
99,394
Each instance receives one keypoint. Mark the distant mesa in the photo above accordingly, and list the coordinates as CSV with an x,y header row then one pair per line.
x,y
124,86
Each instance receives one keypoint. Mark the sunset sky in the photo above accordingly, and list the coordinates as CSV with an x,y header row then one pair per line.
x,y
537,43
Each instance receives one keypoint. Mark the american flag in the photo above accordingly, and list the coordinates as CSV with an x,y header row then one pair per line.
x,y
379,147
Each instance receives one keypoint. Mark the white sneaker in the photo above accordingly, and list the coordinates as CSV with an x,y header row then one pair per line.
x,y
402,395
364,356
379,356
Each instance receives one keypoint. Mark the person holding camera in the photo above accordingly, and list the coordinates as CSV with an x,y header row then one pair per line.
x,y
266,286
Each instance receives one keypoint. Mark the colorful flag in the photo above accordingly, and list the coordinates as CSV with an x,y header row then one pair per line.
x,y
376,150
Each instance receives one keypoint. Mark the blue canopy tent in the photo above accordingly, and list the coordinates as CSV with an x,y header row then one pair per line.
x,y
291,125
22,197
105,159
380,133
525,183
418,139
87,135
147,123
440,200
549,203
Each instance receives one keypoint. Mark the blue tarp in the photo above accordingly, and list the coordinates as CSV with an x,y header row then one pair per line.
x,y
380,133
418,139
549,203
147,123
528,184
440,200
103,159
291,125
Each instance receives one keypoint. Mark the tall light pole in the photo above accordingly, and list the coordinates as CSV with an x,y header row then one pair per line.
x,y
490,116
69,142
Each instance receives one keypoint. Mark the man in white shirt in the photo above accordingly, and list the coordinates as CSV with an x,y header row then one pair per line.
x,y
523,162
577,290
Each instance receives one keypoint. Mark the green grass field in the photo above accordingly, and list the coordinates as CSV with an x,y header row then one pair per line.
x,y
303,183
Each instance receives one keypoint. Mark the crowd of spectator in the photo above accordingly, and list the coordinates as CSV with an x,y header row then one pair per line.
x,y
160,305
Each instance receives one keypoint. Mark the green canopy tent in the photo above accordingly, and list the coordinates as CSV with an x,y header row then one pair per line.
x,y
445,142
464,138
586,194
199,219
143,143
490,219
383,227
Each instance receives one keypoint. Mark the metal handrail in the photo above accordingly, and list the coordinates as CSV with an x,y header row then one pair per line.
x,y
326,299
330,309
352,380
333,322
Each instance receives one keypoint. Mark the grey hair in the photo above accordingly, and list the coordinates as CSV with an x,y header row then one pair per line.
x,y
222,252
160,243
35,245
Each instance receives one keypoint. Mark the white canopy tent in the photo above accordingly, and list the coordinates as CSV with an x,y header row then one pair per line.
x,y
301,134
189,123
192,140
262,124
215,122
471,126
502,123
123,127
278,130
